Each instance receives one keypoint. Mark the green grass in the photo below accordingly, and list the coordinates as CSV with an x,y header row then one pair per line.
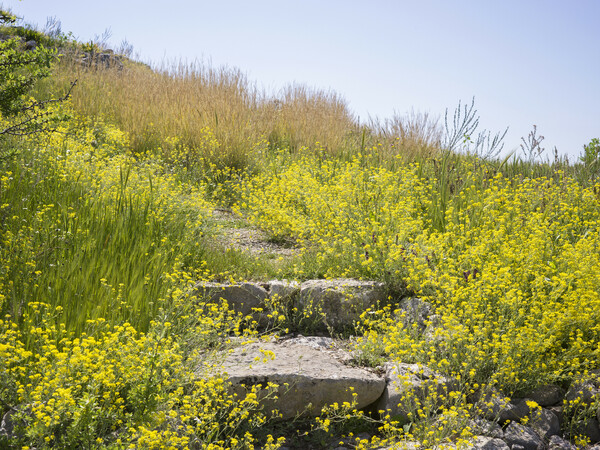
x,y
107,224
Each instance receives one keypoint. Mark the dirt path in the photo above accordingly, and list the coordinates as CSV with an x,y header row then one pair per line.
x,y
233,231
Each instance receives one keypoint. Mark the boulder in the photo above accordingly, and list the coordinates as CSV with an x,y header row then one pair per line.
x,y
558,443
415,312
316,342
587,390
545,423
331,303
283,290
308,378
488,443
494,406
590,428
405,384
7,425
338,303
546,395
241,297
517,434
558,411
486,427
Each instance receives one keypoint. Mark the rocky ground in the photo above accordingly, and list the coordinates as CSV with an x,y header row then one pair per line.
x,y
319,370
316,371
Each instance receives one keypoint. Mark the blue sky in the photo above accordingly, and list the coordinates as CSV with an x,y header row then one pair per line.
x,y
525,62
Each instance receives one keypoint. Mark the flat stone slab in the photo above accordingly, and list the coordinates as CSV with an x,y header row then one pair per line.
x,y
336,303
340,300
242,297
315,378
407,383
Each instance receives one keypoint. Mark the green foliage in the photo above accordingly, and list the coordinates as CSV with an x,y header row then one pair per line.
x,y
19,71
115,388
591,152
100,235
591,158
104,235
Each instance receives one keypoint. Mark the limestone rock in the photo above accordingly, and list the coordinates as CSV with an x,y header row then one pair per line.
x,y
105,59
590,429
545,423
488,443
313,377
586,389
405,382
316,342
547,395
558,443
517,434
340,301
558,411
7,425
415,312
242,297
9,421
486,427
283,290
494,406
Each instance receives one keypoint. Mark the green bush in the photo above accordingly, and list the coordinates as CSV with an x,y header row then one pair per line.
x,y
20,69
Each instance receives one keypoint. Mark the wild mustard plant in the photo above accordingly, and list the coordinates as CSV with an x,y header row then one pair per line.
x,y
512,274
117,389
102,343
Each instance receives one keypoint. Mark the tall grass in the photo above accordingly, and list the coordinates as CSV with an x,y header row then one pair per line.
x,y
93,231
183,100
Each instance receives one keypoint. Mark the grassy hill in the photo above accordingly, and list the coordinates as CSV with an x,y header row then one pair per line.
x,y
106,223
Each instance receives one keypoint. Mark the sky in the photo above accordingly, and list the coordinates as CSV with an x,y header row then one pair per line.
x,y
525,62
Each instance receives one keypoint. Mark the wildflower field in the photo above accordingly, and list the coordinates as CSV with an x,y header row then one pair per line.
x,y
106,225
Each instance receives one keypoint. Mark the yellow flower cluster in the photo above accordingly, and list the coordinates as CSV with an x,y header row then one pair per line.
x,y
108,246
94,229
116,388
101,249
362,218
513,274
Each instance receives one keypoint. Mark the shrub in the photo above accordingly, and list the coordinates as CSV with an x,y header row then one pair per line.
x,y
19,71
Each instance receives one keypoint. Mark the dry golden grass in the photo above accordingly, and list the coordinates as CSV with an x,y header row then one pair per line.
x,y
414,135
183,100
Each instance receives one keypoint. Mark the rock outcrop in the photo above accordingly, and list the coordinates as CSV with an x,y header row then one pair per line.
x,y
242,297
339,302
308,373
314,372
333,304
407,383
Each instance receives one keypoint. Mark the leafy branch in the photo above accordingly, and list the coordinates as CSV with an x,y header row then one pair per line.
x,y
19,71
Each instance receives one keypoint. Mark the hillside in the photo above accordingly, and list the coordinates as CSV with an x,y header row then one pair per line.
x,y
146,198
